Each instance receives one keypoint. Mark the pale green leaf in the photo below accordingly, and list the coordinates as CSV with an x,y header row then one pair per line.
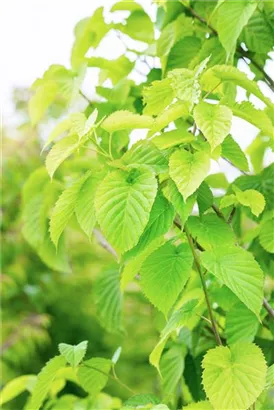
x,y
116,355
93,375
44,381
165,273
84,207
109,300
183,208
56,259
41,100
139,27
210,231
185,85
188,170
15,387
61,151
123,203
231,18
59,129
201,405
121,120
214,121
251,198
238,270
157,96
241,324
116,70
73,354
234,377
146,153
270,377
132,268
172,113
141,400
172,366
171,138
64,209
228,200
218,180
233,152
266,236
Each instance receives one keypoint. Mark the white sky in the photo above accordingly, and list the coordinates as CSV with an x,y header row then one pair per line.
x,y
37,33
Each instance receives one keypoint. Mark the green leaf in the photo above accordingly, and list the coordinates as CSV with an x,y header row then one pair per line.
x,y
182,53
116,70
123,203
258,33
233,152
201,405
241,324
61,151
175,111
121,120
270,377
133,267
218,180
214,121
231,19
93,375
234,377
146,153
84,207
109,300
185,85
142,400
204,198
266,236
40,101
188,170
256,151
165,273
56,259
178,319
210,231
15,387
228,200
139,27
64,209
251,198
171,138
238,270
157,96
172,367
183,208
73,354
44,381
59,129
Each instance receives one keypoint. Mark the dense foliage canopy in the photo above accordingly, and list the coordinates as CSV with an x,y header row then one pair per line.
x,y
134,276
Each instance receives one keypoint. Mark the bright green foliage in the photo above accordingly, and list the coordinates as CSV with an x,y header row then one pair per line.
x,y
214,121
188,170
230,389
239,271
241,324
73,354
164,274
137,225
109,301
44,380
93,374
117,198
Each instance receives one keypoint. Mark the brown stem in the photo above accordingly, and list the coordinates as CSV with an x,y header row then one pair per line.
x,y
198,266
269,308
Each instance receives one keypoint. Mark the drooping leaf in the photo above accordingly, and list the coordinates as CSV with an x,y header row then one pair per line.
x,y
109,300
214,121
73,354
172,367
188,170
239,271
44,381
123,203
241,324
228,388
183,208
139,26
121,120
16,386
233,152
93,374
164,274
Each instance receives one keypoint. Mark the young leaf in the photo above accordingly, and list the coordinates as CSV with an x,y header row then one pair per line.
x,y
239,271
251,198
233,152
188,170
185,85
165,273
214,121
232,17
109,301
121,120
73,354
123,203
228,388
93,374
44,381
241,324
210,231
158,96
64,209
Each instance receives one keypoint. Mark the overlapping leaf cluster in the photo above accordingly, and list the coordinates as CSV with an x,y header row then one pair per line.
x,y
199,247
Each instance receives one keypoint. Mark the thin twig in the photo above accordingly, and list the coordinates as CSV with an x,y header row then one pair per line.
x,y
218,212
269,308
104,243
85,97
